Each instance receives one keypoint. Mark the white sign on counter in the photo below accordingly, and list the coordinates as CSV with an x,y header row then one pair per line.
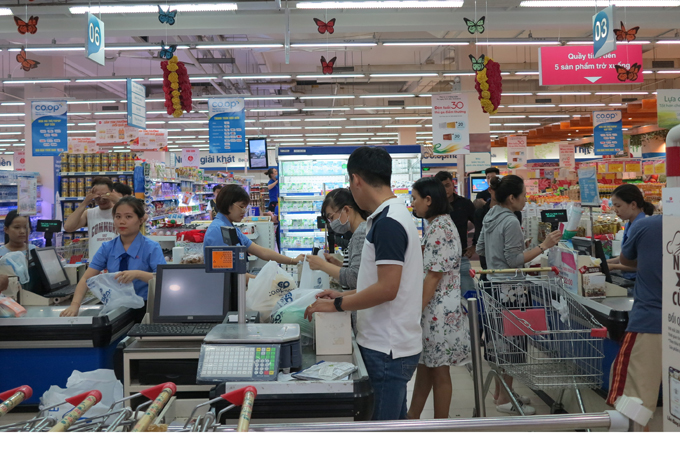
x,y
670,323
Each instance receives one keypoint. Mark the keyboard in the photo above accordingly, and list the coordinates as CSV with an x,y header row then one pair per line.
x,y
171,329
622,282
62,292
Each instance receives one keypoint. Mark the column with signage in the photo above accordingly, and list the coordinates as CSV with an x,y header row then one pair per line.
x,y
670,315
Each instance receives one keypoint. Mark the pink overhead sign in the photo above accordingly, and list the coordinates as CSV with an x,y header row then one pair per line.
x,y
576,65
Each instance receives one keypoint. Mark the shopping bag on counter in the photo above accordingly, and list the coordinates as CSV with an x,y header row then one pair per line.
x,y
17,260
103,380
113,294
267,288
314,279
291,309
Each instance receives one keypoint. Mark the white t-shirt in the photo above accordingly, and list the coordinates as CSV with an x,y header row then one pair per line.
x,y
100,228
392,239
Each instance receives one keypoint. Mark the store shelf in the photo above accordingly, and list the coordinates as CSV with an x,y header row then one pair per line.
x,y
301,230
161,238
186,215
300,212
71,199
77,174
169,180
163,199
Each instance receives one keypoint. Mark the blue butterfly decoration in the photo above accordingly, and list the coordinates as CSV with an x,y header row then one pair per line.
x,y
167,52
166,17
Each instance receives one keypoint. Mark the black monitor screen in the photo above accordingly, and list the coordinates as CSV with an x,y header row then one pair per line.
x,y
186,293
51,267
257,154
479,184
554,216
584,246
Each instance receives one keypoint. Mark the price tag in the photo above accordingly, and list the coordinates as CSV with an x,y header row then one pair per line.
x,y
94,40
222,260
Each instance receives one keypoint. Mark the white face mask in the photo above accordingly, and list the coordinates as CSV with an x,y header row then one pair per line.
x,y
340,227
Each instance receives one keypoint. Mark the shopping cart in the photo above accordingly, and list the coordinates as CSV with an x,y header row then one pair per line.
x,y
538,333
210,421
76,251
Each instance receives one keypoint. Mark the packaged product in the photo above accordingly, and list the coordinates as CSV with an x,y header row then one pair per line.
x,y
10,308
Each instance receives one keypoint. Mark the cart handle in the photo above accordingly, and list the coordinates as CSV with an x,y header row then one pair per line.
x,y
169,390
246,409
84,402
599,332
13,397
554,269
237,396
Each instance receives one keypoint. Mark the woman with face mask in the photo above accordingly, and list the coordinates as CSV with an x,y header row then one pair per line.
x,y
343,215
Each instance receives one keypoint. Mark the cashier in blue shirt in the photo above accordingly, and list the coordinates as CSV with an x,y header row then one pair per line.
x,y
273,187
232,203
132,256
629,204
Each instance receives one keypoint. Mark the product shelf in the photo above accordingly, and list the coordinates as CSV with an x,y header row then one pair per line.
x,y
81,174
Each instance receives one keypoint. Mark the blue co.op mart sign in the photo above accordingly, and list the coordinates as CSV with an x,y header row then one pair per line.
x,y
48,128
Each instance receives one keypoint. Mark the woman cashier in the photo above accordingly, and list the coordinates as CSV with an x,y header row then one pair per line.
x,y
232,203
133,256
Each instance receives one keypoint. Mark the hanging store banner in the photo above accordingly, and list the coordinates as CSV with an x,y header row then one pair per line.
x,y
48,127
28,195
668,108
112,133
587,180
576,65
450,128
567,156
475,162
227,125
94,40
150,140
136,104
20,159
517,152
82,145
191,157
604,39
608,132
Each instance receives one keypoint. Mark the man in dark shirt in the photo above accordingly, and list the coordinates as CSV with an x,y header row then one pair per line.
x,y
463,211
490,173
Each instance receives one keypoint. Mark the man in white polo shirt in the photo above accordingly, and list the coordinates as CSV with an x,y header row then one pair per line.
x,y
389,290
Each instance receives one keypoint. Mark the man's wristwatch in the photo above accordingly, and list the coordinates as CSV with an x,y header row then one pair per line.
x,y
338,304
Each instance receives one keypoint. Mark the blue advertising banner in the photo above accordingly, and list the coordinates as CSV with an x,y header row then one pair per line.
x,y
587,180
227,125
136,104
48,128
608,132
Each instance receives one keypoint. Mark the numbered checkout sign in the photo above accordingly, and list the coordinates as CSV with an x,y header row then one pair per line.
x,y
94,41
604,40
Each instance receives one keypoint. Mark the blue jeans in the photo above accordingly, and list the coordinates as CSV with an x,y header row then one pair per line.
x,y
388,378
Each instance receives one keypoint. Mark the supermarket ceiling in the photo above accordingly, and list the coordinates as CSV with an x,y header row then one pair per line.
x,y
389,58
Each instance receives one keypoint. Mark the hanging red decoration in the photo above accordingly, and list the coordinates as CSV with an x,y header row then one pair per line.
x,y
489,85
176,86
27,27
327,66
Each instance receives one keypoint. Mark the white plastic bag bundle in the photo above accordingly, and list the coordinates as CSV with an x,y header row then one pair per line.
x,y
113,294
17,260
314,279
103,380
291,309
267,288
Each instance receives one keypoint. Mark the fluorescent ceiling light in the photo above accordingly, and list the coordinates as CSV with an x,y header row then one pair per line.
x,y
517,94
563,93
597,3
371,118
107,101
668,41
128,9
515,106
428,43
341,139
622,93
590,43
387,133
332,76
667,72
380,4
12,104
348,44
501,132
258,76
418,107
323,127
32,81
153,122
93,123
406,75
328,97
282,109
459,74
196,79
521,124
389,96
80,132
12,114
325,119
615,105
87,81
137,47
404,126
318,135
6,12
548,116
581,105
243,45
517,43
527,73
507,116
113,112
279,120
378,108
310,109
267,98
412,118
273,128
357,134
48,49
364,127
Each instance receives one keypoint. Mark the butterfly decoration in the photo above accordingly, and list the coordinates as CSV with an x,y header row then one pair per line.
x,y
325,26
631,74
27,27
327,66
477,64
26,64
626,35
166,17
475,27
167,52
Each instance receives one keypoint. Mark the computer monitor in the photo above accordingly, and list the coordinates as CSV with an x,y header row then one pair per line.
x,y
257,153
186,293
50,269
584,246
479,184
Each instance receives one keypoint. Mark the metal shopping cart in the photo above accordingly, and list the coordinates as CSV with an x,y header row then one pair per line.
x,y
536,332
210,421
76,250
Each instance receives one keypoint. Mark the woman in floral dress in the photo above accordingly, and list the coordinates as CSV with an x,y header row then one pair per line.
x,y
446,334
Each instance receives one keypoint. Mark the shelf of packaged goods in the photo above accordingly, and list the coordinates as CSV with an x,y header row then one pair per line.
x,y
168,180
303,195
293,231
164,199
301,213
186,215
80,174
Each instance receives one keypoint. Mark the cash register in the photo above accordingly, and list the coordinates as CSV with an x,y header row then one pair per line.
x,y
244,352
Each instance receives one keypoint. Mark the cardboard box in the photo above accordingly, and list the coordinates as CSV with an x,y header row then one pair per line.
x,y
333,333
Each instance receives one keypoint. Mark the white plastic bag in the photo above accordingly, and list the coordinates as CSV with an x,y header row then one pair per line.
x,y
17,260
103,380
314,279
113,294
291,309
267,288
